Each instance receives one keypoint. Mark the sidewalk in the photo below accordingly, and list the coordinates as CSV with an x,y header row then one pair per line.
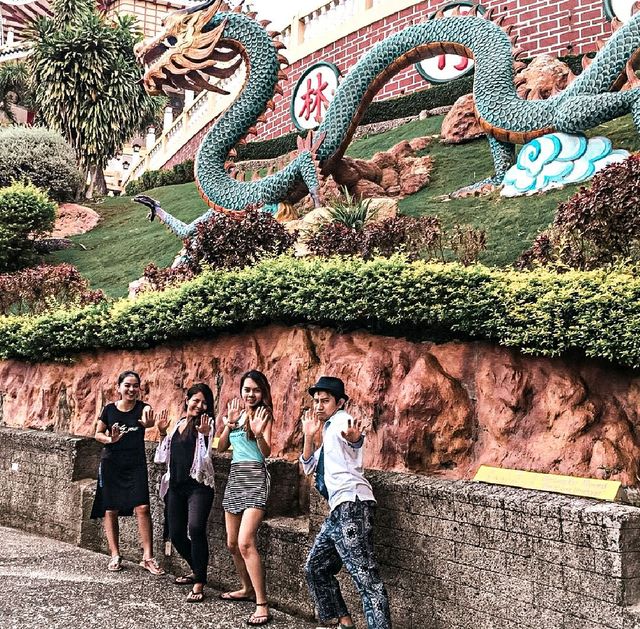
x,y
49,584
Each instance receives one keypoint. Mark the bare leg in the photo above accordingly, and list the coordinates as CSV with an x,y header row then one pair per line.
x,y
112,531
251,520
232,523
145,530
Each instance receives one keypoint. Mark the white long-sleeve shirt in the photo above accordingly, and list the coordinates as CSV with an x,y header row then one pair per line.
x,y
343,471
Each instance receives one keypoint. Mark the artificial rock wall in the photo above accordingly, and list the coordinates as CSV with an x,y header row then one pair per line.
x,y
431,408
453,554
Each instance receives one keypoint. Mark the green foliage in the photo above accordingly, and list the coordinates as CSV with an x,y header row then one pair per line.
x,y
351,212
14,80
26,213
87,81
181,173
412,104
41,157
539,312
268,149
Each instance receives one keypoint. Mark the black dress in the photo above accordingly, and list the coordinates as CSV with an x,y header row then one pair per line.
x,y
122,477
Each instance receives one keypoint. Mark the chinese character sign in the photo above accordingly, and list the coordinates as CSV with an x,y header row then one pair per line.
x,y
447,67
312,95
621,9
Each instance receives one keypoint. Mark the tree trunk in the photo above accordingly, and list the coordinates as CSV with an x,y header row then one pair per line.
x,y
97,183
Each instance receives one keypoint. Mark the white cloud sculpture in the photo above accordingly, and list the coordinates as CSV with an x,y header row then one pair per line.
x,y
558,159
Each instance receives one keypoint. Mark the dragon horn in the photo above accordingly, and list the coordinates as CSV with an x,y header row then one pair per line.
x,y
278,90
200,7
273,34
279,45
489,14
270,104
265,23
438,15
262,118
252,15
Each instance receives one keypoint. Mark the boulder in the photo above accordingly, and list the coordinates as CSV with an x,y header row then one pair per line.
x,y
461,123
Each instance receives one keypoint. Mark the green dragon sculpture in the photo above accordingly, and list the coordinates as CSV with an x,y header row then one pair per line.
x,y
209,40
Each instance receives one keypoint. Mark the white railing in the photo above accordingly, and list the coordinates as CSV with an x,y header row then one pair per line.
x,y
330,20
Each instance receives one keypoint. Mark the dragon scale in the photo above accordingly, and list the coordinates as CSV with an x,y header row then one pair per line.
x,y
506,118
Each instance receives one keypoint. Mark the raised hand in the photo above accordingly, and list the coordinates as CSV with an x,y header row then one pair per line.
x,y
258,421
311,424
233,413
148,417
205,425
115,433
162,422
353,431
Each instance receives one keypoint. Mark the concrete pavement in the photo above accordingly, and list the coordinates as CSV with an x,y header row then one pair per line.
x,y
49,584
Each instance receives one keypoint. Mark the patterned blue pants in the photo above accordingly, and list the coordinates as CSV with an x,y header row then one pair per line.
x,y
346,538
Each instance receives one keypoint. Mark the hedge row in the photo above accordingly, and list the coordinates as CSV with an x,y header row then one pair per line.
x,y
538,312
181,173
378,111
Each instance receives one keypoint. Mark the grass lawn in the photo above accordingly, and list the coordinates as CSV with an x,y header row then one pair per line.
x,y
124,243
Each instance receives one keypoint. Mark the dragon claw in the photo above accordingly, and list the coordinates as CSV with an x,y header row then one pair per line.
x,y
152,204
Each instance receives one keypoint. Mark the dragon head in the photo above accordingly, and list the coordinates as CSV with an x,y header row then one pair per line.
x,y
185,54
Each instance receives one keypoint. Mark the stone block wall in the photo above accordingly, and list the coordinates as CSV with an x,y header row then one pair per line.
x,y
42,478
453,554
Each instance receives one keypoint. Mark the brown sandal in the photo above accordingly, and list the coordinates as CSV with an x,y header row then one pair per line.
x,y
258,621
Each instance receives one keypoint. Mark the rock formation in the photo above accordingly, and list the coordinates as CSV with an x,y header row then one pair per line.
x,y
396,173
432,408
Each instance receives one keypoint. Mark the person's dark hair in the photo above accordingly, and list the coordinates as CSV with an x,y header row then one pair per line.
x,y
201,387
126,374
265,388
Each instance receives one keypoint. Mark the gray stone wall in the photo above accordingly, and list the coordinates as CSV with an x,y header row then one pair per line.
x,y
453,554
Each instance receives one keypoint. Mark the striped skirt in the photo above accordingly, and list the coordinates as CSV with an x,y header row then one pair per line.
x,y
247,488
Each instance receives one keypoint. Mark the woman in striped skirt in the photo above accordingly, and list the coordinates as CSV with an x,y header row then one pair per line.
x,y
247,428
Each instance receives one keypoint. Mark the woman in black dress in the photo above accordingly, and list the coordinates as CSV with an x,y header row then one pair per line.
x,y
188,485
123,486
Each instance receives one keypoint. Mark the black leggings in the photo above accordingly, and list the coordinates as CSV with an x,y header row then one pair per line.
x,y
188,507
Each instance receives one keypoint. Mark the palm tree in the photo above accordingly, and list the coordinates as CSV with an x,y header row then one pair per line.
x,y
13,87
87,83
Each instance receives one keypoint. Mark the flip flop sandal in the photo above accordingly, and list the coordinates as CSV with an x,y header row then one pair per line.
x,y
115,565
258,621
185,579
195,597
226,596
152,566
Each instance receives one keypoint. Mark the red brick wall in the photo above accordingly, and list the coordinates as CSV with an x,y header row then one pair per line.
x,y
554,26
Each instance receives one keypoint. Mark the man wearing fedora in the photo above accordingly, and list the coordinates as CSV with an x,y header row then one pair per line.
x,y
346,536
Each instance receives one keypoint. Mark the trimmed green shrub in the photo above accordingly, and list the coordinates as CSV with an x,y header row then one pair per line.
x,y
540,312
41,157
181,173
26,213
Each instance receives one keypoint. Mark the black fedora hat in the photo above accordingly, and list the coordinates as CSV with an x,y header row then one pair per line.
x,y
332,385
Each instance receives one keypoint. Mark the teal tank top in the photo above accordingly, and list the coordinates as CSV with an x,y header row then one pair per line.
x,y
244,449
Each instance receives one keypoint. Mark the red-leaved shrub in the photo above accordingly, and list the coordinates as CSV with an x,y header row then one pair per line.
x,y
45,287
